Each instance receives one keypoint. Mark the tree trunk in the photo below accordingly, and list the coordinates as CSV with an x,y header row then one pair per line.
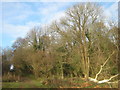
x,y
62,73
85,57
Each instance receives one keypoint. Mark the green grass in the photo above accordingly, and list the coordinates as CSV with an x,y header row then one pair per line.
x,y
38,83
29,84
78,81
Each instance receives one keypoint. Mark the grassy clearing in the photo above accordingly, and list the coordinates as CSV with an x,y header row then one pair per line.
x,y
29,84
54,83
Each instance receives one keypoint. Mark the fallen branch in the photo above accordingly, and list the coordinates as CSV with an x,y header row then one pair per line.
x,y
103,65
113,76
113,82
105,80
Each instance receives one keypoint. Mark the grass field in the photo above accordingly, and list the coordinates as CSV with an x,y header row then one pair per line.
x,y
55,83
29,84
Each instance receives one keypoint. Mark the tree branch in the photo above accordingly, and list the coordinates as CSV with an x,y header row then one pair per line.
x,y
103,65
104,81
107,80
114,82
113,76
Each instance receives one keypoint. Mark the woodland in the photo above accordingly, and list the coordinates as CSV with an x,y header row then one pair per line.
x,y
79,50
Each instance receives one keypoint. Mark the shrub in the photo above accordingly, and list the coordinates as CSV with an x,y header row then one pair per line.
x,y
11,78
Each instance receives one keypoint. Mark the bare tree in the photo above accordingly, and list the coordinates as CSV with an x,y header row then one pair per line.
x,y
83,23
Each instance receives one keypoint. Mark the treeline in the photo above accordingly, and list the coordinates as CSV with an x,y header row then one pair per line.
x,y
78,45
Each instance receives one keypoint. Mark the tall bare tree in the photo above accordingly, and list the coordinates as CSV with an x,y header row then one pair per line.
x,y
84,24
